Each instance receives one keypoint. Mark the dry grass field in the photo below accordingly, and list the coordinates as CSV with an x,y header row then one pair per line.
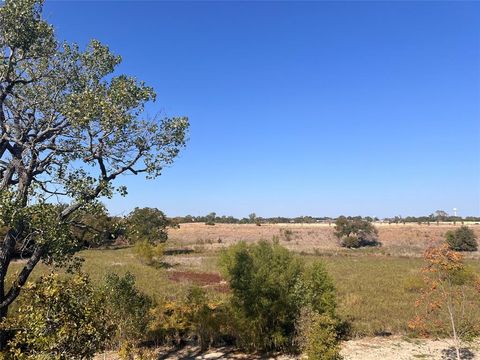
x,y
396,239
376,287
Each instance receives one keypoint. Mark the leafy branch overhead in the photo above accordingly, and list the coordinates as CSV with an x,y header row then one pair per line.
x,y
69,126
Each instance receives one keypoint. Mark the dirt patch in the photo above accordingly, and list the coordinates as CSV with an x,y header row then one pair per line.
x,y
405,349
394,348
211,280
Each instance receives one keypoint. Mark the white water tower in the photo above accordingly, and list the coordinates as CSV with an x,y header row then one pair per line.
x,y
455,212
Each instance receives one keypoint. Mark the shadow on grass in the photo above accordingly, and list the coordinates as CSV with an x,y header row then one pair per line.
x,y
183,354
169,252
162,265
451,354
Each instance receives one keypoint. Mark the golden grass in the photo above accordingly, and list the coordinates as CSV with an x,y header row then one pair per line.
x,y
397,239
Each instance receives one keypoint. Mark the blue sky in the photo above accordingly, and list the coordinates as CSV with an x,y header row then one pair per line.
x,y
302,108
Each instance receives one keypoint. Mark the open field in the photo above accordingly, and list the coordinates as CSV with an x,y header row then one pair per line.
x,y
376,287
396,239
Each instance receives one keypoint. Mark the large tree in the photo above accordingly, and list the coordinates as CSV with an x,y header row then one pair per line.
x,y
69,126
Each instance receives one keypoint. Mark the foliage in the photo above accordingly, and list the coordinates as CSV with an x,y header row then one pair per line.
x,y
447,283
95,227
69,127
462,239
269,287
317,289
317,335
148,224
351,242
128,309
59,319
196,317
148,253
210,219
355,233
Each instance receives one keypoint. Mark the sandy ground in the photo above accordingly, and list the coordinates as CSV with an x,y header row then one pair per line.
x,y
403,349
392,348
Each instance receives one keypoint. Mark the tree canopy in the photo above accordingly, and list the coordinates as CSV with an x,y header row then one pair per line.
x,y
69,126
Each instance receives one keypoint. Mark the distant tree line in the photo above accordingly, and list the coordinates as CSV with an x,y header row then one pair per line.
x,y
96,227
254,219
213,218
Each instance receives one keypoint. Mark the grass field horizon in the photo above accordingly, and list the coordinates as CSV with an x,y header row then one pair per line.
x,y
376,286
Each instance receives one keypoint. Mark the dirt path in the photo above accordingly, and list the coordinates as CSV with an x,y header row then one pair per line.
x,y
393,348
403,349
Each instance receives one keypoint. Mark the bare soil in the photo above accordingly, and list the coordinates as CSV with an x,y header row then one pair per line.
x,y
211,280
378,348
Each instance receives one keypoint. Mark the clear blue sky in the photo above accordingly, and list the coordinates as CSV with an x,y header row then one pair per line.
x,y
303,108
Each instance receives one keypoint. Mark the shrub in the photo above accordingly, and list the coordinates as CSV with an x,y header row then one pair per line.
x,y
170,323
448,286
269,287
209,319
317,335
462,239
128,308
59,319
287,234
350,242
354,233
193,318
148,253
317,289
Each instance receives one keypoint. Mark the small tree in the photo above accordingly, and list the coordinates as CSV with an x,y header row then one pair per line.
x,y
148,253
447,286
210,219
462,239
148,224
354,233
270,286
441,215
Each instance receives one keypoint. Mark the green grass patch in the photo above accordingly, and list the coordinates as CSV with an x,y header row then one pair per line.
x,y
376,293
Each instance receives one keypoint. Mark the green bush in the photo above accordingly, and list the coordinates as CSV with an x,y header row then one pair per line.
x,y
462,239
317,335
148,253
350,242
269,287
317,290
355,233
128,309
59,319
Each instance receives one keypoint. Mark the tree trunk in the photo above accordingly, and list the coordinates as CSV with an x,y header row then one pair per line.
x,y
5,258
5,335
454,331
